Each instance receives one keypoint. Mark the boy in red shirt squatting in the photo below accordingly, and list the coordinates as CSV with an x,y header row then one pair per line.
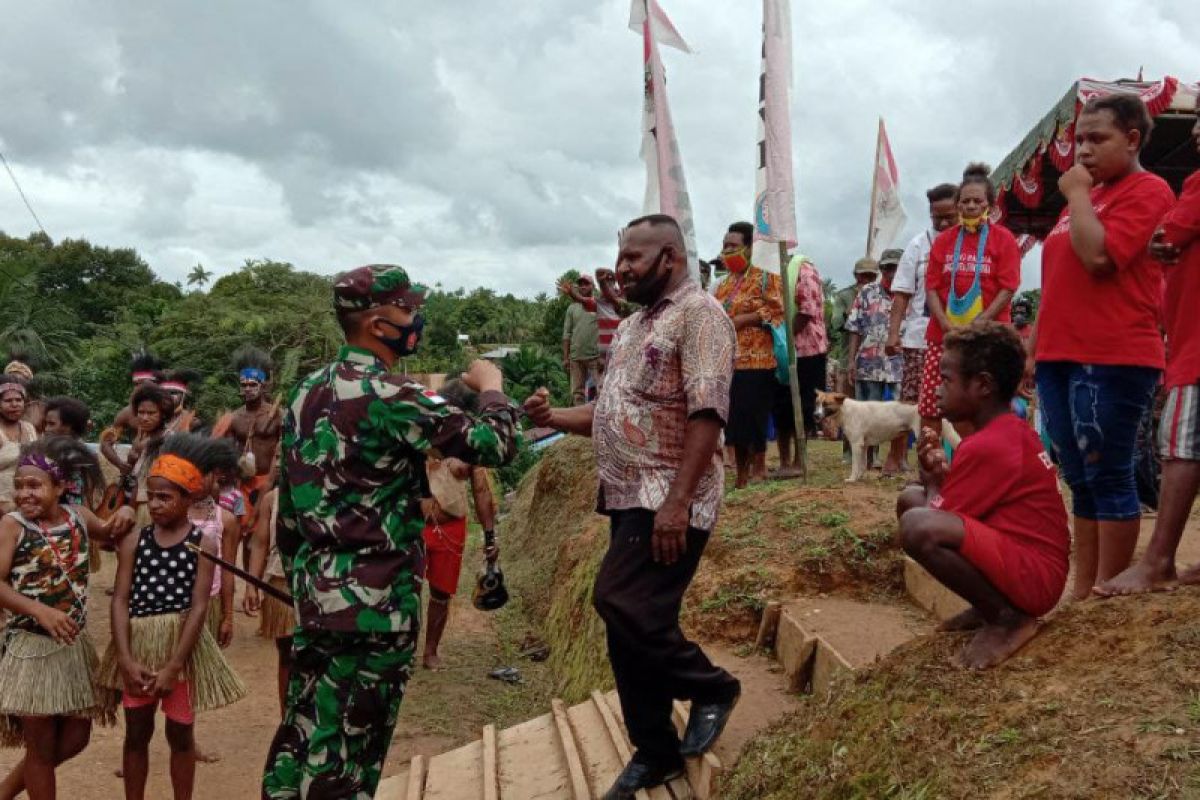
x,y
993,528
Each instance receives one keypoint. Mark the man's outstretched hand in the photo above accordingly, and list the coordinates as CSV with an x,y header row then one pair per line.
x,y
484,376
537,407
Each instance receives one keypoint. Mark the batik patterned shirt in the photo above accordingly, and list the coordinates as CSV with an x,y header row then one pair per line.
x,y
811,340
667,363
353,466
870,317
753,292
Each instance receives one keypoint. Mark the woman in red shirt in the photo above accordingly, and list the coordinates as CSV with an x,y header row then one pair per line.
x,y
1097,343
958,291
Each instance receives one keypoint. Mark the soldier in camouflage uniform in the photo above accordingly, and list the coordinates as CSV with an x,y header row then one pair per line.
x,y
349,532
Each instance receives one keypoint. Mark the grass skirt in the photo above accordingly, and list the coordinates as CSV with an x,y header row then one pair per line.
x,y
152,639
212,619
41,678
276,619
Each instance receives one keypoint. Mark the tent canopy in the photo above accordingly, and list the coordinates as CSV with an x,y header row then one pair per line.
x,y
1027,179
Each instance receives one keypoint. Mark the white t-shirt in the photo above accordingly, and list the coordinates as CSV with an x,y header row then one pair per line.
x,y
910,279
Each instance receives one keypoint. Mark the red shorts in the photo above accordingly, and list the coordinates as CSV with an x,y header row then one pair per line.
x,y
444,545
931,379
1033,582
177,706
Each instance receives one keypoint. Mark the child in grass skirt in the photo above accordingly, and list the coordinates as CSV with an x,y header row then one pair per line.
x,y
162,650
48,697
218,524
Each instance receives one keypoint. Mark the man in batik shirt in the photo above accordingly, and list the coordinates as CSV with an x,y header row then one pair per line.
x,y
349,531
876,375
657,431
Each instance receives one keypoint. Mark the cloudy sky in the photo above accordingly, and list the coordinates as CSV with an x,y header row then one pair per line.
x,y
496,144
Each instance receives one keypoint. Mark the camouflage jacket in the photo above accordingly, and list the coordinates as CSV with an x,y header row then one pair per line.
x,y
353,466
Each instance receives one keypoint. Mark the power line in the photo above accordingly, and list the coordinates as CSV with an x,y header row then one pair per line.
x,y
21,192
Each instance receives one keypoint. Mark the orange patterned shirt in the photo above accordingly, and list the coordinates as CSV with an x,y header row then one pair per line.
x,y
753,292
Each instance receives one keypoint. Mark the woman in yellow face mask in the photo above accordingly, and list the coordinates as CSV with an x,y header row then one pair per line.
x,y
753,299
974,269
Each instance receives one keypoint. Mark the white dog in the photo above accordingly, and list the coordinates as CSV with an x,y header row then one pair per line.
x,y
867,423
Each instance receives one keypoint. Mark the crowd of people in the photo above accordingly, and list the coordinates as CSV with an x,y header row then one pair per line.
x,y
346,499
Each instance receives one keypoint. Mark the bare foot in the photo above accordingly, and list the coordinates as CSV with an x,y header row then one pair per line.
x,y
1190,576
1078,595
206,758
995,643
968,620
431,661
1138,579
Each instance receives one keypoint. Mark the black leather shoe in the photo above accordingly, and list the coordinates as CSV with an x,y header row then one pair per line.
x,y
637,775
705,724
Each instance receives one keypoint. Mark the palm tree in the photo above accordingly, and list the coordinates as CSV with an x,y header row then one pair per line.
x,y
199,276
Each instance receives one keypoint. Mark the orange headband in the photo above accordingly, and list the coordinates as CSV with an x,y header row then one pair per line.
x,y
178,471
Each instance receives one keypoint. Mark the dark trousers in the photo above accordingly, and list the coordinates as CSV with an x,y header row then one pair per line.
x,y
653,662
810,373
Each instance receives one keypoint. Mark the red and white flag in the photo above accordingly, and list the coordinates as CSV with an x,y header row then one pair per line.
x,y
887,212
666,187
774,189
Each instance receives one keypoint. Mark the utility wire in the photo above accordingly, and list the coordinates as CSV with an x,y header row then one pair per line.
x,y
21,192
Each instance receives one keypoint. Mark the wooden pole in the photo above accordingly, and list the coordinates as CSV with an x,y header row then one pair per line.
x,y
874,187
789,318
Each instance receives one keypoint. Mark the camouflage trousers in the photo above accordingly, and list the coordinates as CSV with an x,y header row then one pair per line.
x,y
344,696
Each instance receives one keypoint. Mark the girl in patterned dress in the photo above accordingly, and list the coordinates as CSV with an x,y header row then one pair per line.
x,y
161,648
47,662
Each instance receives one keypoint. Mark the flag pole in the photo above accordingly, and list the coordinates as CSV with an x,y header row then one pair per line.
x,y
789,319
874,186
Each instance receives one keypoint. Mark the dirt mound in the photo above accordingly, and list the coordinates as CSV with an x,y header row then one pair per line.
x,y
783,539
555,541
774,540
1104,703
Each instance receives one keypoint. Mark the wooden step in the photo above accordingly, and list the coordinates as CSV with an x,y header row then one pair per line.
x,y
930,593
569,754
819,639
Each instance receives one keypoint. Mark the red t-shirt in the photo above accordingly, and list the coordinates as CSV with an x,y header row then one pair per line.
x,y
1002,477
1182,227
1112,319
1001,270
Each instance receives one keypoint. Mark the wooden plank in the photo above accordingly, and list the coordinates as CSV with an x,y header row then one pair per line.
x,y
570,750
456,775
601,761
491,775
531,763
769,625
614,722
416,779
702,772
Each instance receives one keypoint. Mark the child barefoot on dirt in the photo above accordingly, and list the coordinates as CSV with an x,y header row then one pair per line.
x,y
47,693
993,528
161,648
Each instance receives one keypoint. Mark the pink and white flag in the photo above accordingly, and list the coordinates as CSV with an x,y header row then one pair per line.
x,y
887,212
774,189
666,187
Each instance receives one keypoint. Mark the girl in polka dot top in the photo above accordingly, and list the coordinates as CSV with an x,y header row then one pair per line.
x,y
161,649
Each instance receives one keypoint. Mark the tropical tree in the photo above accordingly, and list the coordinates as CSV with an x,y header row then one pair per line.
x,y
199,277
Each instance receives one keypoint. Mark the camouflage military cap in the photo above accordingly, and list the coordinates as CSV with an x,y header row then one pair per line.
x,y
376,285
866,266
890,257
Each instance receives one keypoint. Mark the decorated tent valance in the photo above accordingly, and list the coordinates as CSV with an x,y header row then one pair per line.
x,y
1027,179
